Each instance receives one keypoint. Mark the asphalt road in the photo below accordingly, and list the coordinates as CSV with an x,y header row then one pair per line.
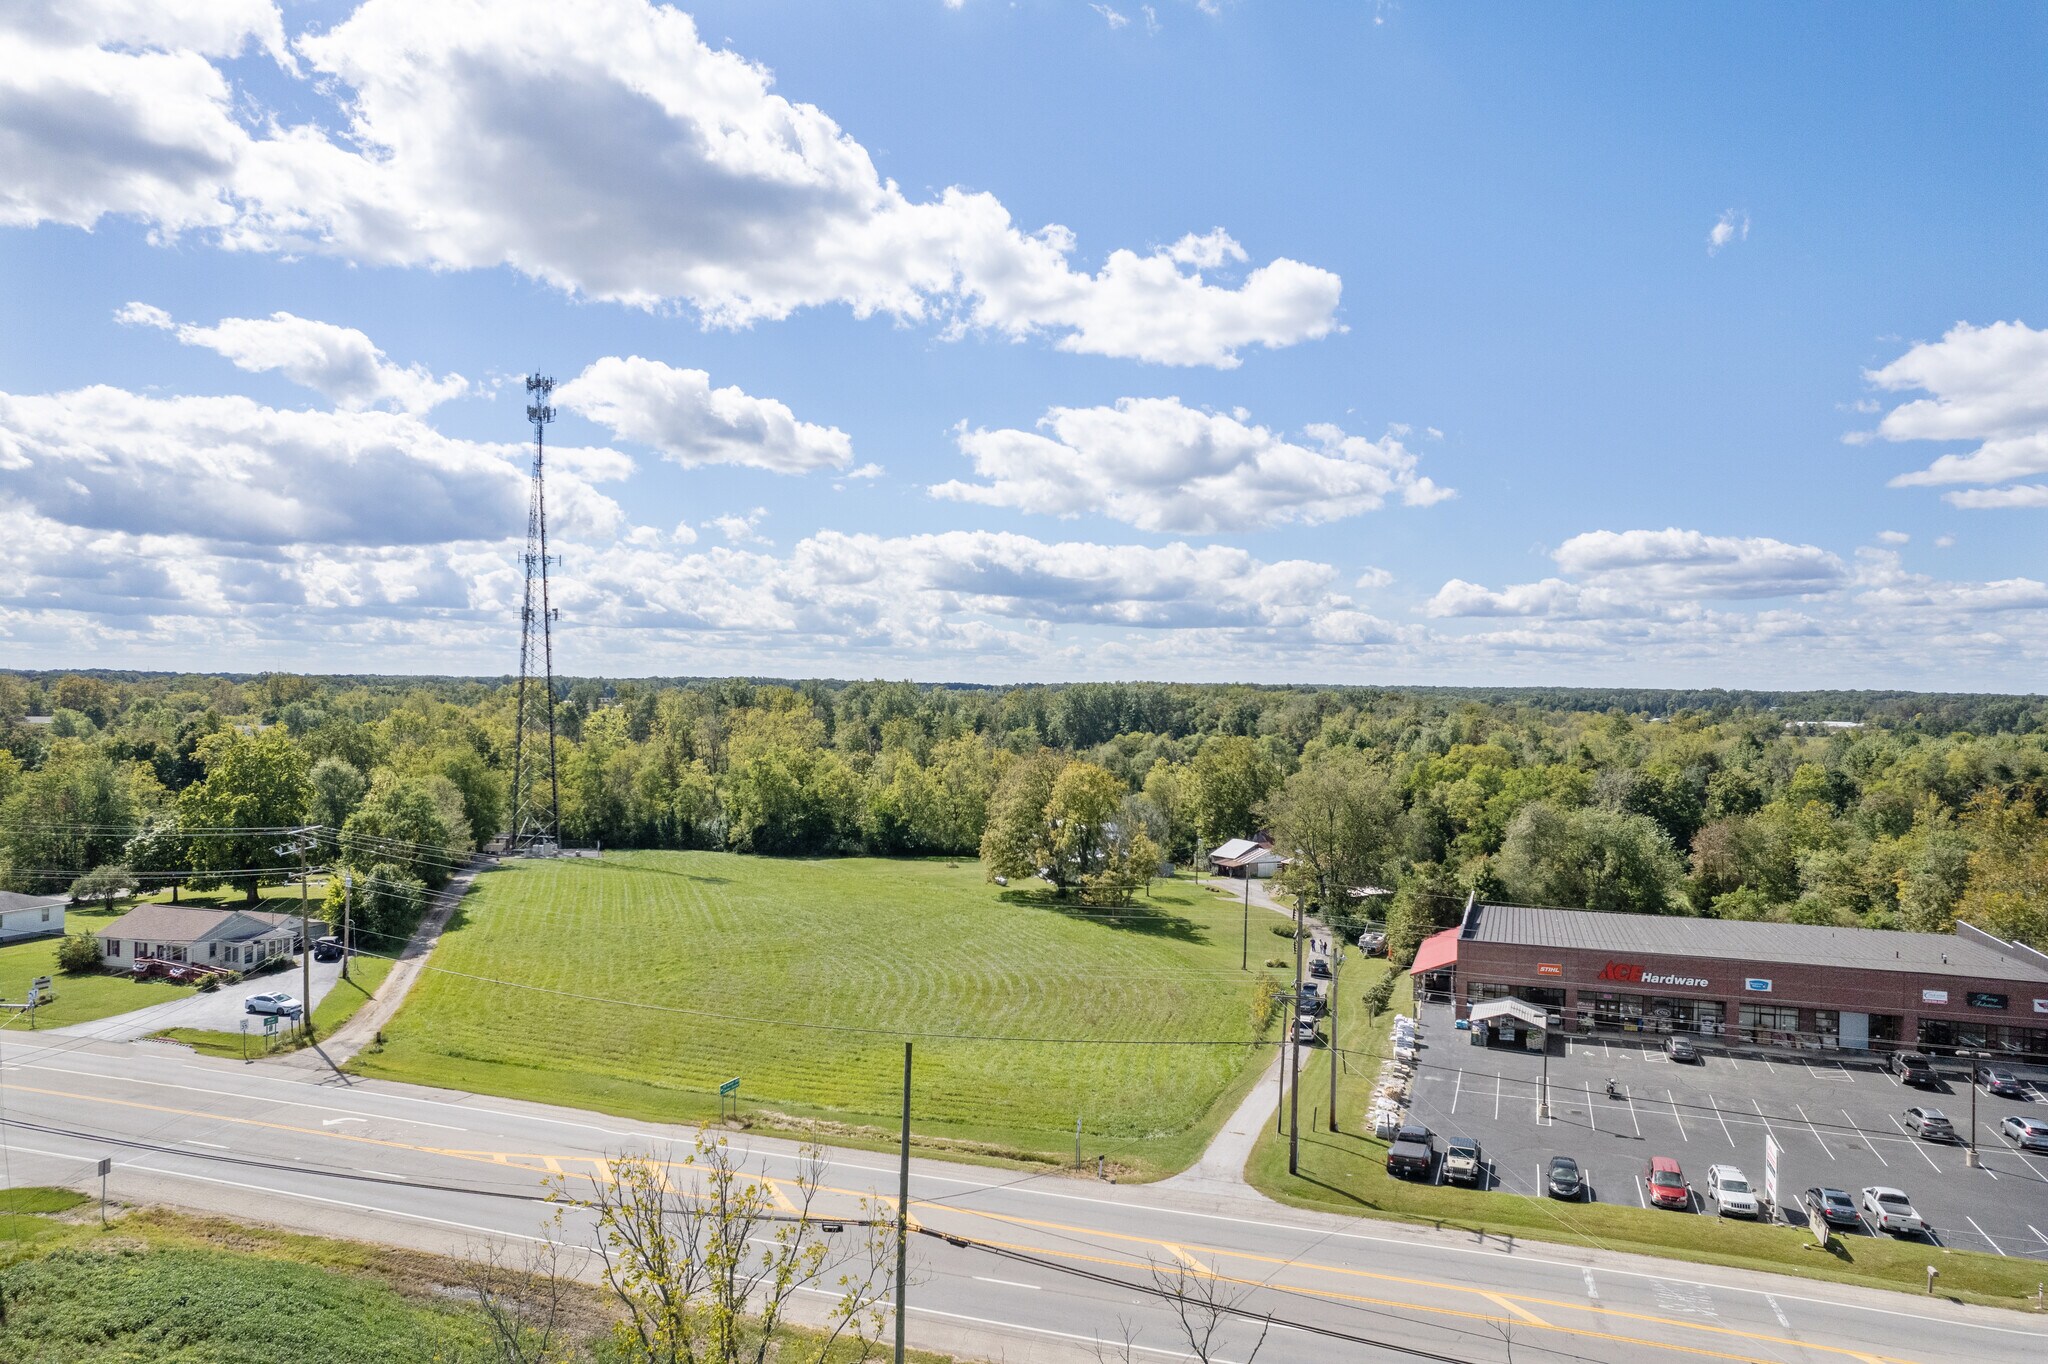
x,y
1053,1265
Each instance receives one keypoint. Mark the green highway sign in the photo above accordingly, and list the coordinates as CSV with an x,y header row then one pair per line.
x,y
729,1088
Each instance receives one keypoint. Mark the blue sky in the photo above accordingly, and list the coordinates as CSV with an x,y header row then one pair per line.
x,y
1341,342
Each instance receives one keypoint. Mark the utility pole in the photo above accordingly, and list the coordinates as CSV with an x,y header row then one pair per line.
x,y
1245,952
1970,1156
348,939
1294,1056
302,844
1336,979
903,1211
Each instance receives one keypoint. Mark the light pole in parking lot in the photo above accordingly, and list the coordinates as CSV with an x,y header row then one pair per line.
x,y
1550,1020
1970,1156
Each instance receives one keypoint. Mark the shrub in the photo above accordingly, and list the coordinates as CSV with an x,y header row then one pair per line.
x,y
78,954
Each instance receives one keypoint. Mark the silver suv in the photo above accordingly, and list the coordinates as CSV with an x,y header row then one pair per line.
x,y
1729,1188
1930,1124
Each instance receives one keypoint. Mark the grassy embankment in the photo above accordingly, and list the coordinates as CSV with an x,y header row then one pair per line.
x,y
1346,1172
724,955
158,1285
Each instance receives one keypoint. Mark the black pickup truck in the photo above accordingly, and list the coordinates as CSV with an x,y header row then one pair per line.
x,y
1413,1154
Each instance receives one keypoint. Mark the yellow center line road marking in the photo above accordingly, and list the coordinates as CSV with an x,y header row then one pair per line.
x,y
1511,1305
1215,1253
541,1164
782,1200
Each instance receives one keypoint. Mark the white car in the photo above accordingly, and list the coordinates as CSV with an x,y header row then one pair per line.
x,y
1729,1188
1305,1029
277,1003
2029,1134
1890,1210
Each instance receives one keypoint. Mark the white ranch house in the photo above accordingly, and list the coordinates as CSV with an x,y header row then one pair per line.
x,y
1243,857
29,916
226,939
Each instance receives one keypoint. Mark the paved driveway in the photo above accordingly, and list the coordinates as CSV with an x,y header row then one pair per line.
x,y
221,1011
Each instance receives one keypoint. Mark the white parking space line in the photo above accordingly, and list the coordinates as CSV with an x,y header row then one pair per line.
x,y
1981,1232
1457,1088
2037,1234
1916,1145
1674,1114
1716,1106
1867,1141
1640,1200
1630,1096
1815,1130
1766,1121
1496,1096
1591,1121
2024,1160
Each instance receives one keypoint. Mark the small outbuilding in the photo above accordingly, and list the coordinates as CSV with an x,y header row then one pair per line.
x,y
1513,1021
30,916
1246,857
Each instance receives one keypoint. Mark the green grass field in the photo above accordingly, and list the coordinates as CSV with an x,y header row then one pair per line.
x,y
1346,1172
734,949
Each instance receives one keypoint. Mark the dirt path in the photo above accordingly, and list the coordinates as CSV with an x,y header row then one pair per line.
x,y
333,1052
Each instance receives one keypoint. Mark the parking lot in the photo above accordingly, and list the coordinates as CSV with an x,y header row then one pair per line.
x,y
1838,1122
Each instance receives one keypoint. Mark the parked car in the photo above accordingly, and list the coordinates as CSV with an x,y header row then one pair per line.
x,y
1563,1179
1914,1069
1890,1210
1373,943
1729,1188
1836,1208
1305,1029
1930,1124
2002,1083
1462,1162
1319,968
1681,1049
1667,1185
283,1005
327,949
1413,1154
2029,1134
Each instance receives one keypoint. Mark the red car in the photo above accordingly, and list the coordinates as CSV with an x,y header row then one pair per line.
x,y
1668,1188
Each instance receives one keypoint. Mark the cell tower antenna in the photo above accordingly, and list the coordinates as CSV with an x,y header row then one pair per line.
x,y
536,795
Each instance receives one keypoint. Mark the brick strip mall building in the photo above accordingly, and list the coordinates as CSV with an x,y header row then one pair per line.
x,y
1773,984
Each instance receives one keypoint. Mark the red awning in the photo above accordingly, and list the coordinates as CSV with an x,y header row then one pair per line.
x,y
1438,950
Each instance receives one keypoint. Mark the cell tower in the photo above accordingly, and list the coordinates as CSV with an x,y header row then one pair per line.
x,y
536,796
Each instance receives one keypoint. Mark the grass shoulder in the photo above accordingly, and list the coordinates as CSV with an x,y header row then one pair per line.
x,y
1345,1171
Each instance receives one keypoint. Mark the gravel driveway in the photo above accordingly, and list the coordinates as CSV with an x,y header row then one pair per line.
x,y
221,1011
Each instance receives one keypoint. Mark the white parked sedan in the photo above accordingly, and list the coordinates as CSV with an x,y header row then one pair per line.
x,y
276,1003
2027,1133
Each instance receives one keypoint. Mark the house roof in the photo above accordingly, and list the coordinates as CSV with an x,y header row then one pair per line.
x,y
1737,940
190,923
13,900
1437,951
1236,847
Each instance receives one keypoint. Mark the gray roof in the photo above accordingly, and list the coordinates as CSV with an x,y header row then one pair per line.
x,y
12,900
192,923
1868,949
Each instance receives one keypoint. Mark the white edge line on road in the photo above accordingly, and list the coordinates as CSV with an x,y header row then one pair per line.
x,y
366,1208
225,1093
917,1311
981,1185
1009,1283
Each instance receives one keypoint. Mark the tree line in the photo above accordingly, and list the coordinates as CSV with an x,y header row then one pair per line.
x,y
1930,810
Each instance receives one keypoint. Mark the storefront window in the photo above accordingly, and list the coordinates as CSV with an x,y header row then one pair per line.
x,y
1827,1028
1769,1024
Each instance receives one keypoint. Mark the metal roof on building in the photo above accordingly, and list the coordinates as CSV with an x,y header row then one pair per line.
x,y
1734,940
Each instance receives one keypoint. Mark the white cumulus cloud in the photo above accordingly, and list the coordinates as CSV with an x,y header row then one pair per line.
x,y
1160,465
1731,226
679,413
674,174
340,363
1618,574
1985,384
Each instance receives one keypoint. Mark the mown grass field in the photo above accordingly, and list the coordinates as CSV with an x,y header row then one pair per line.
x,y
1346,1172
730,951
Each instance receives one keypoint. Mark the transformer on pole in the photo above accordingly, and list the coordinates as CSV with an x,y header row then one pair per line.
x,y
536,821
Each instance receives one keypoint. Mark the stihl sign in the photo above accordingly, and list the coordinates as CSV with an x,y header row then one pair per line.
x,y
1635,974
